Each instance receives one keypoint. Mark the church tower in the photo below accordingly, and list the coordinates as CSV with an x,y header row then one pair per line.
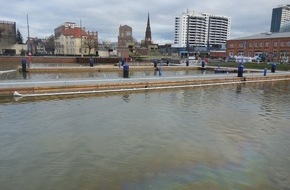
x,y
148,33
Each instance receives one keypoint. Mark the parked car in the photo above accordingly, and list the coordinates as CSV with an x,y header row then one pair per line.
x,y
256,59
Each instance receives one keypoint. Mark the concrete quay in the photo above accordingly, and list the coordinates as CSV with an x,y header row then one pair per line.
x,y
78,87
112,68
103,68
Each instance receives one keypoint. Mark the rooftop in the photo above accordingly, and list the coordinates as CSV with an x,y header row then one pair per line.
x,y
265,35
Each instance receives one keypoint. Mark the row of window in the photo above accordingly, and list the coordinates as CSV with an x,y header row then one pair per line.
x,y
70,51
266,54
260,44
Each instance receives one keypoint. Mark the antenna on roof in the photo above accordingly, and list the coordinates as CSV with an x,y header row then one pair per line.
x,y
81,37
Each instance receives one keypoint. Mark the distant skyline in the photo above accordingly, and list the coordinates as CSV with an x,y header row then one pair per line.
x,y
247,17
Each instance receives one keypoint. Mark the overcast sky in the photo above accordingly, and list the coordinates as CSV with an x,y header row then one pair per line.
x,y
105,16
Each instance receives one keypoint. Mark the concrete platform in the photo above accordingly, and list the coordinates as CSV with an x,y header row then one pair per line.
x,y
104,68
78,87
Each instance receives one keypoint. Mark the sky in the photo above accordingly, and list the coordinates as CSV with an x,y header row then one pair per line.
x,y
248,17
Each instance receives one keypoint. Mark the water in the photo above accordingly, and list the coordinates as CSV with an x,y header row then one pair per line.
x,y
225,137
14,75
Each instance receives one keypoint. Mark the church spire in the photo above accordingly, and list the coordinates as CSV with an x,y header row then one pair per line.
x,y
148,33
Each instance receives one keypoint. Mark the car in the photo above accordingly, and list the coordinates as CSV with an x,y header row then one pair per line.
x,y
231,59
256,59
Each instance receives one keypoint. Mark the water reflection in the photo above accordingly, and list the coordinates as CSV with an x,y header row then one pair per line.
x,y
126,98
24,75
239,88
222,137
85,75
188,139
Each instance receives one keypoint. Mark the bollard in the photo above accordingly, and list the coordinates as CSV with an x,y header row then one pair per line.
x,y
240,70
91,62
273,68
160,71
202,63
155,63
126,70
187,62
265,71
23,63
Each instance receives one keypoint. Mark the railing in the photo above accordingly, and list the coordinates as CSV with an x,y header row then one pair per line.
x,y
97,60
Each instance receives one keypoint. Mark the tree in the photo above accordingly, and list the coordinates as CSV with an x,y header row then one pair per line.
x,y
91,42
106,44
1,32
19,38
22,52
49,44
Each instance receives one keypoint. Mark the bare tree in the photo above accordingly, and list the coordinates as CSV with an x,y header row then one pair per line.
x,y
91,41
1,32
49,44
106,44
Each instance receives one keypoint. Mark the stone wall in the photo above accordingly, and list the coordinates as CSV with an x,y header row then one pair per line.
x,y
36,59
55,59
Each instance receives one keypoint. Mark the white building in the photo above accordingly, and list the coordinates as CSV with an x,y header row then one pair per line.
x,y
71,39
201,30
285,17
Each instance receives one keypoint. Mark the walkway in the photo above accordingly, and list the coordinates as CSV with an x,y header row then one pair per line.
x,y
74,87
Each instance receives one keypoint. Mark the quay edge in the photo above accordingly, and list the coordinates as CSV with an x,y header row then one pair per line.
x,y
139,85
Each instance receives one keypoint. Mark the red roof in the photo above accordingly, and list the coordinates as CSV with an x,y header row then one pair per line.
x,y
75,32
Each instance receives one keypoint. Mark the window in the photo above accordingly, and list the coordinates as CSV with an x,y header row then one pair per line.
x,y
250,45
281,44
261,44
128,33
256,44
275,44
288,44
266,44
231,45
240,53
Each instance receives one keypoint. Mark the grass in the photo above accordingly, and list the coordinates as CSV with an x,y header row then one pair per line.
x,y
279,67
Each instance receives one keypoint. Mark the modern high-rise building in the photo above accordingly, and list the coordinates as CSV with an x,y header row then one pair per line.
x,y
201,30
280,16
285,27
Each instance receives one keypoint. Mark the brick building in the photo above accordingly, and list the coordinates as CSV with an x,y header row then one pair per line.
x,y
125,40
8,39
7,32
270,46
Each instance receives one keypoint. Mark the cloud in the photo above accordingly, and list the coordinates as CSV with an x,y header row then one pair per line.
x,y
248,17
